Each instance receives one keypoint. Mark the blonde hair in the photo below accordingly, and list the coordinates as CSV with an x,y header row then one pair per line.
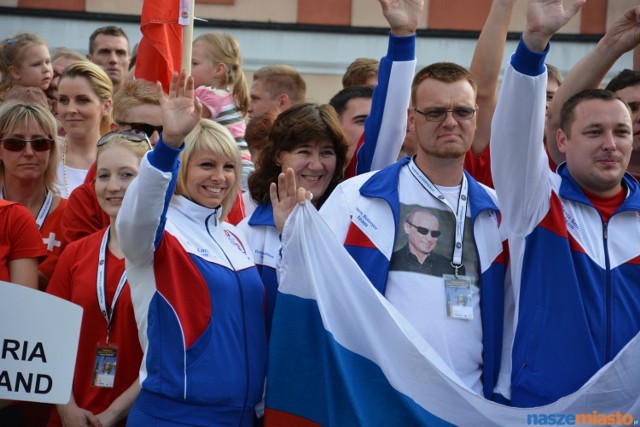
x,y
133,94
224,49
119,140
65,52
99,82
14,114
211,137
11,52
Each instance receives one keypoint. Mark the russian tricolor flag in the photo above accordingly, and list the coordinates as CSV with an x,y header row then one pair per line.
x,y
341,355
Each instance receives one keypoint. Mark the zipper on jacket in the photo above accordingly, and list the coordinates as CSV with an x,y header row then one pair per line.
x,y
244,319
607,307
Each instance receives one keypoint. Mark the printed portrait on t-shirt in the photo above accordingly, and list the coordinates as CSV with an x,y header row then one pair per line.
x,y
425,241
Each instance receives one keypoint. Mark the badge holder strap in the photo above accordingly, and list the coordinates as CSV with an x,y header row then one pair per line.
x,y
460,213
100,284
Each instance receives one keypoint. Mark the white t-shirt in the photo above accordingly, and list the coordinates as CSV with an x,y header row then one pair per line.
x,y
421,298
74,178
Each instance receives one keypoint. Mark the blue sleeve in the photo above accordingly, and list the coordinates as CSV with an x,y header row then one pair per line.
x,y
527,62
164,157
387,120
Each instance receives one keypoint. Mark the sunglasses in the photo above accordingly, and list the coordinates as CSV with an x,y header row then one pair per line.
x,y
439,114
18,144
142,127
425,231
129,135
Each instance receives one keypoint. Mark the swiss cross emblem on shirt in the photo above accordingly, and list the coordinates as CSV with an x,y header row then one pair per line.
x,y
51,242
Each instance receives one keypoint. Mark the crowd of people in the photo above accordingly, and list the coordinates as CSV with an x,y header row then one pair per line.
x,y
503,225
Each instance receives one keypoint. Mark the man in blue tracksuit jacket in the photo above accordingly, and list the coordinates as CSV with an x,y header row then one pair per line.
x,y
574,239
369,214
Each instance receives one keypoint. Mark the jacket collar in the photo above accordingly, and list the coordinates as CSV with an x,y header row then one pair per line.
x,y
384,185
262,215
569,189
195,212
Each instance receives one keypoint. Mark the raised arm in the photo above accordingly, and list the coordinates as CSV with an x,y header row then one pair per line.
x,y
485,67
518,162
621,37
141,219
386,126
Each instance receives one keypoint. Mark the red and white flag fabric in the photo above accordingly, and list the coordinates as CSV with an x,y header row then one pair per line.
x,y
160,50
341,355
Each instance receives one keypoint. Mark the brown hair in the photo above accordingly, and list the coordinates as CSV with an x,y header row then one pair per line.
x,y
278,79
109,30
257,133
446,72
293,127
359,71
567,112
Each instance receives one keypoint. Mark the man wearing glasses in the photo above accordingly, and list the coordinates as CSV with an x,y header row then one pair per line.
x,y
458,306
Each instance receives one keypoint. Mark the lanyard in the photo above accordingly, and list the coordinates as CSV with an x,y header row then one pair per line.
x,y
100,284
44,210
460,214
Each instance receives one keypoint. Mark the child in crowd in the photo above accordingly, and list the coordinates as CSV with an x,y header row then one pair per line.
x,y
24,61
222,88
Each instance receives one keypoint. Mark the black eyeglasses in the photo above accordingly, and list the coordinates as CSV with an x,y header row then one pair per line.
x,y
18,144
439,114
425,231
142,127
130,135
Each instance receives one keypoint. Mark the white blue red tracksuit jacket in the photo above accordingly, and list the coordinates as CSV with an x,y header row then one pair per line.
x,y
264,240
373,198
384,133
198,301
578,279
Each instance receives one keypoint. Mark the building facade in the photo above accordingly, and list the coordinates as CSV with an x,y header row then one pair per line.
x,y
318,37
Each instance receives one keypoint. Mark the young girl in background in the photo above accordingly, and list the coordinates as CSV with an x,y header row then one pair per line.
x,y
24,61
222,88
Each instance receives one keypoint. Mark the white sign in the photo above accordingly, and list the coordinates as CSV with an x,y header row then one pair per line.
x,y
38,345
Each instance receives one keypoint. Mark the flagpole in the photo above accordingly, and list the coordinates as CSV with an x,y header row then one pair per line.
x,y
187,39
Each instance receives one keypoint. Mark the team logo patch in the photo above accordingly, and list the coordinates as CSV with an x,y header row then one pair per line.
x,y
235,241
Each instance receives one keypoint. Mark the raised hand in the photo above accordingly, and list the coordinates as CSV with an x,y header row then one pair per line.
x,y
545,18
403,16
624,34
285,196
181,111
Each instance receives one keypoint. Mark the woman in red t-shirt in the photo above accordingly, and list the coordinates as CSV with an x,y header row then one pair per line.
x,y
91,273
28,159
20,250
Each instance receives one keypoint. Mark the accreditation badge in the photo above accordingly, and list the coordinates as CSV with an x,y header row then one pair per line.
x,y
104,369
457,291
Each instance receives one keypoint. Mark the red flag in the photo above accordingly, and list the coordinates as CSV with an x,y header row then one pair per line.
x,y
160,50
